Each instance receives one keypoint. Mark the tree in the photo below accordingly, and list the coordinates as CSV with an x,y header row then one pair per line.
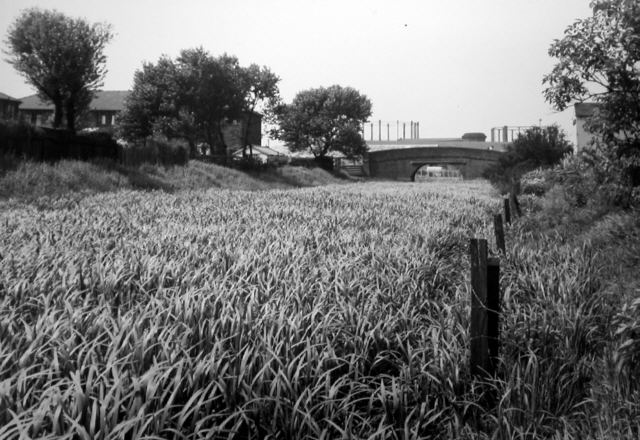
x,y
61,57
599,60
211,92
323,120
149,107
535,148
260,87
191,97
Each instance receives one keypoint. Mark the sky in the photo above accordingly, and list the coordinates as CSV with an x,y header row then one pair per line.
x,y
454,66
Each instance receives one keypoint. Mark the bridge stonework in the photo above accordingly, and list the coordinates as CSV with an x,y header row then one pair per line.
x,y
402,164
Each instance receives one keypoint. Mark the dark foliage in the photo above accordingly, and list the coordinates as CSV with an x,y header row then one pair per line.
x,y
598,60
46,144
536,147
49,145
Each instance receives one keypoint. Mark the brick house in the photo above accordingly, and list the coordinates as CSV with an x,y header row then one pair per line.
x,y
8,107
102,112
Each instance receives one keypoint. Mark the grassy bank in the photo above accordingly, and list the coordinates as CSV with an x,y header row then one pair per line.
x,y
24,180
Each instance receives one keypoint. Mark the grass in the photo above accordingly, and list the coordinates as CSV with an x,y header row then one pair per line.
x,y
24,180
329,312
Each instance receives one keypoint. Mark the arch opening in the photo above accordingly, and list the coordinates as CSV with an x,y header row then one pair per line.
x,y
437,172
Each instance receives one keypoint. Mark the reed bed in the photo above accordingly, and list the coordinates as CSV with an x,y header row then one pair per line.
x,y
321,313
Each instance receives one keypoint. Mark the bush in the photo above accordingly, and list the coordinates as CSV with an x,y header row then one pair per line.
x,y
326,163
46,144
155,150
592,177
251,164
535,148
536,182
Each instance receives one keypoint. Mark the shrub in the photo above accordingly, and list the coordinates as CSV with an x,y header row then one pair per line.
x,y
46,144
155,150
536,182
251,164
536,147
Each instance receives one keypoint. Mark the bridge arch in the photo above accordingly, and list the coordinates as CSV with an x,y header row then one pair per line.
x,y
402,164
439,171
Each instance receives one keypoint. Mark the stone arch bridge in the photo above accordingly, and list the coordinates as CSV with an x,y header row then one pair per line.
x,y
403,163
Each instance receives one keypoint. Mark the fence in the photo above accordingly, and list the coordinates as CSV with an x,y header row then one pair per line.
x,y
485,299
49,145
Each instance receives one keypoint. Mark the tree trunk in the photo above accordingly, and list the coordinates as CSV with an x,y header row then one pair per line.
x,y
193,152
58,113
222,146
71,116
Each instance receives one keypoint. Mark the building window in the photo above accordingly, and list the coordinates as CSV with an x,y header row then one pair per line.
x,y
103,119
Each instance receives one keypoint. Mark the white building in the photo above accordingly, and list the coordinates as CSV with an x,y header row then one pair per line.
x,y
584,111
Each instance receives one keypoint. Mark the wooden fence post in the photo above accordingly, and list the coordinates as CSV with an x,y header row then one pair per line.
x,y
493,312
515,204
507,211
498,228
485,309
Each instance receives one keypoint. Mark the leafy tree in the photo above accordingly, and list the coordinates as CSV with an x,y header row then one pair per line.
x,y
261,87
191,97
61,57
599,60
537,147
323,120
211,93
149,105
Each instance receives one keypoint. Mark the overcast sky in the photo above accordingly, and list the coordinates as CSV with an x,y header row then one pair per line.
x,y
455,66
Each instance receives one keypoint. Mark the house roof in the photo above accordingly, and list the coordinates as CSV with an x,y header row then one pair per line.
x,y
5,97
109,100
585,109
261,149
33,102
105,100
